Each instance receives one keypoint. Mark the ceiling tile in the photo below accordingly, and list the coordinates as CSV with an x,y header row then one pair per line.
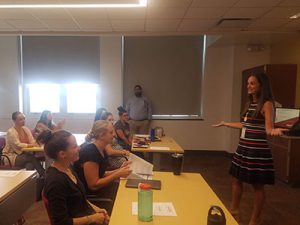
x,y
282,12
95,25
19,14
194,25
293,24
268,22
205,13
5,26
169,3
213,3
49,13
128,25
290,3
257,3
245,12
27,25
165,13
61,25
162,25
127,13
89,14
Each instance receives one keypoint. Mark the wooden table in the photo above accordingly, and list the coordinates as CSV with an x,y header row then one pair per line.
x,y
166,145
189,193
17,194
159,146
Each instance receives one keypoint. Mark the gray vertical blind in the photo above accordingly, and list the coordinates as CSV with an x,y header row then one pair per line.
x,y
60,59
169,69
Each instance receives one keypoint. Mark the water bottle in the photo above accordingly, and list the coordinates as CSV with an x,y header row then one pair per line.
x,y
145,202
152,134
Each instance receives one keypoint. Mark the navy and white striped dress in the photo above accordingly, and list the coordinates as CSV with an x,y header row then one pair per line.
x,y
252,162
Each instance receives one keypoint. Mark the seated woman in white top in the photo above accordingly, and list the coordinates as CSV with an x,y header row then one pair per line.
x,y
17,138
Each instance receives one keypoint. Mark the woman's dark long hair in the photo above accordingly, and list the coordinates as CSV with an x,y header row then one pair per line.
x,y
265,94
99,113
44,119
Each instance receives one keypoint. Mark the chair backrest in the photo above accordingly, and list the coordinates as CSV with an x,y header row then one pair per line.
x,y
46,204
2,143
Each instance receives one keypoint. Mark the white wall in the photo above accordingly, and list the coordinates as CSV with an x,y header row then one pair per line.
x,y
9,79
222,91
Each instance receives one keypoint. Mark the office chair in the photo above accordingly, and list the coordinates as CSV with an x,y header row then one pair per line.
x,y
93,199
46,204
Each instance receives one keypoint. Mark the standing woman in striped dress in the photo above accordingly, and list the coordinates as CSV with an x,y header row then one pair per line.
x,y
252,162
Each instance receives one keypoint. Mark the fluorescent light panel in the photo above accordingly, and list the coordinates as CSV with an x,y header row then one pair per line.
x,y
140,3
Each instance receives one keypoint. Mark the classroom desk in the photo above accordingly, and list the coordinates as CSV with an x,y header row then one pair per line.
x,y
17,194
166,141
189,193
33,149
158,147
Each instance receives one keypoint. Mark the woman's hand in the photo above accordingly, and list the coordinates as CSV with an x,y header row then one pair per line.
x,y
125,152
97,218
126,163
222,123
124,171
278,131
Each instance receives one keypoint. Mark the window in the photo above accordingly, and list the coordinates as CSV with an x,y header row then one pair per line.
x,y
44,96
81,98
169,69
61,74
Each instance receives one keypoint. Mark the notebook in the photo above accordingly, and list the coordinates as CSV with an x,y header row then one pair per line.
x,y
133,183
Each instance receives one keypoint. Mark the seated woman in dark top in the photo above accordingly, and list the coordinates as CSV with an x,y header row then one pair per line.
x,y
93,160
46,123
124,137
64,191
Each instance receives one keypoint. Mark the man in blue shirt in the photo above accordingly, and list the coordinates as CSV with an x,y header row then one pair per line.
x,y
139,111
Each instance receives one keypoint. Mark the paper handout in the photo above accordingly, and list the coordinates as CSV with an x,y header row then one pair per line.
x,y
141,169
159,209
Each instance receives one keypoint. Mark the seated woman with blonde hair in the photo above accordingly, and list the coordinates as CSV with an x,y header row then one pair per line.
x,y
93,160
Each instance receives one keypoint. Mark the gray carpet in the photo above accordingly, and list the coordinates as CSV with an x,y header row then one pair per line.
x,y
282,205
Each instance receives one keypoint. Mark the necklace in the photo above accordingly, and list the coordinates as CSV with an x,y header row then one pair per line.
x,y
67,171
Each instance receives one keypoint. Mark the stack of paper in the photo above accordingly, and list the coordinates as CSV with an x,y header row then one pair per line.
x,y
141,169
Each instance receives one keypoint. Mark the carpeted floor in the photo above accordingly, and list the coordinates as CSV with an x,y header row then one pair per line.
x,y
282,206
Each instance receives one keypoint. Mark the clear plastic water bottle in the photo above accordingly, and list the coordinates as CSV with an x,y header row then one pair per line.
x,y
145,202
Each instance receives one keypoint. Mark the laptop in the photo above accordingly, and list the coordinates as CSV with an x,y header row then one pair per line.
x,y
286,117
134,183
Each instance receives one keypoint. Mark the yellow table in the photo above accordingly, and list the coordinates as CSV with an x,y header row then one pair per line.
x,y
17,194
33,149
159,146
189,193
166,145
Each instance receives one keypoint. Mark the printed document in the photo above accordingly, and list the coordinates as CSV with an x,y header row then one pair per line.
x,y
141,169
159,209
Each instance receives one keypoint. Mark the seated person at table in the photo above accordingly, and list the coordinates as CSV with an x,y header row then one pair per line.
x,y
46,123
17,138
117,155
92,163
124,137
63,190
99,113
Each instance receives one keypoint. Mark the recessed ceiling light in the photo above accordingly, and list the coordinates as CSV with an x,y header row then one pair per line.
x,y
296,16
141,3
